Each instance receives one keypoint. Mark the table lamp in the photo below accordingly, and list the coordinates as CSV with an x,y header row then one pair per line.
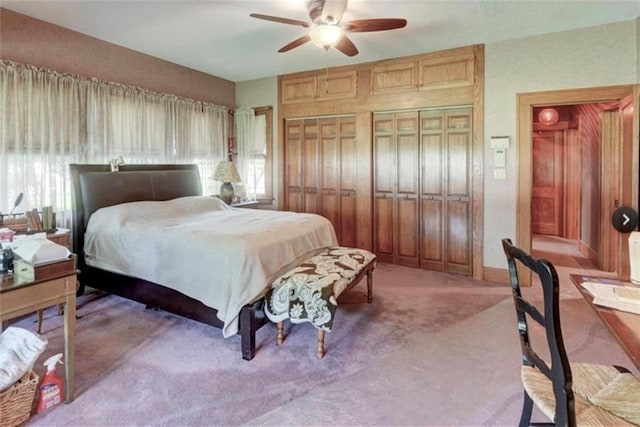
x,y
227,173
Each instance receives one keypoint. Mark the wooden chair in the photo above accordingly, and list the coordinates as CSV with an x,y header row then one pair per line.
x,y
568,394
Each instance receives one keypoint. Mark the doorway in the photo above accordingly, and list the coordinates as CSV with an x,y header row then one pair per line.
x,y
625,170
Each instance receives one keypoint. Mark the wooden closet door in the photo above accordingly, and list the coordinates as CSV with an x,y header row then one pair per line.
x,y
432,193
329,162
406,198
348,232
310,178
458,181
445,190
384,182
293,166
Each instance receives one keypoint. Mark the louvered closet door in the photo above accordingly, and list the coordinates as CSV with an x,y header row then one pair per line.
x,y
293,166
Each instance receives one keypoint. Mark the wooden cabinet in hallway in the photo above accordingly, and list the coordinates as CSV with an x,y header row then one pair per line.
x,y
422,189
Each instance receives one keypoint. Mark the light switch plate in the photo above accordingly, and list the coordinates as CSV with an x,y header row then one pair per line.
x,y
500,173
499,142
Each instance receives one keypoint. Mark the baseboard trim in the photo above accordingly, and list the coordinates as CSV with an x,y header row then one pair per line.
x,y
588,251
496,275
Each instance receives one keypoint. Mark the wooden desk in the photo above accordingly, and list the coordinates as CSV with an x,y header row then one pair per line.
x,y
19,296
624,326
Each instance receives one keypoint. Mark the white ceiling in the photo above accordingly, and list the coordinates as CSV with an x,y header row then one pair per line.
x,y
219,37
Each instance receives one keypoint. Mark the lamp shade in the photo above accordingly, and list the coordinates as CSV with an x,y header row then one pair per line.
x,y
326,36
226,172
548,116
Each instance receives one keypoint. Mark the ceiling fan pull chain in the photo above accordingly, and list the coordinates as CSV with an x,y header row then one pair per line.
x,y
326,79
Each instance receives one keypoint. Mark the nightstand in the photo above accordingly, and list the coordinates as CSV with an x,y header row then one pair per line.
x,y
61,236
249,204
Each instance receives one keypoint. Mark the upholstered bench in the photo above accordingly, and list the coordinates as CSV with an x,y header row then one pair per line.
x,y
309,292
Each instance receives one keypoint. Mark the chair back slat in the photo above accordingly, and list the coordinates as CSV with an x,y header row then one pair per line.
x,y
531,310
559,372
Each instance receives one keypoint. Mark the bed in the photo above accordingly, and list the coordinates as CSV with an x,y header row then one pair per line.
x,y
146,233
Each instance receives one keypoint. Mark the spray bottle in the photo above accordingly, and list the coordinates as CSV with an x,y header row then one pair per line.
x,y
52,386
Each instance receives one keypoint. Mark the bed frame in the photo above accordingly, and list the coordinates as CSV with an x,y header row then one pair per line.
x,y
96,186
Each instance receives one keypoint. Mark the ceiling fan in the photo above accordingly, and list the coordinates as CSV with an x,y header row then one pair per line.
x,y
326,29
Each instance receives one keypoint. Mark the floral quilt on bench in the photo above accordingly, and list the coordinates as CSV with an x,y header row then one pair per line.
x,y
308,292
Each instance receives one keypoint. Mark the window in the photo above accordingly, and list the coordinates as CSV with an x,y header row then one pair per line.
x,y
254,127
50,120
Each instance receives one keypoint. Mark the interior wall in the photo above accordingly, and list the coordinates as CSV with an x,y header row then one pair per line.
x,y
31,41
261,93
604,55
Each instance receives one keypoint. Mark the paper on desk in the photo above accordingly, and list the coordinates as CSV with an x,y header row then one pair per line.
x,y
40,251
605,295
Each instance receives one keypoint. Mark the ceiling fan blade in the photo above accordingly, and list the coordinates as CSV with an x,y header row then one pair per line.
x,y
333,10
297,42
347,47
280,20
368,25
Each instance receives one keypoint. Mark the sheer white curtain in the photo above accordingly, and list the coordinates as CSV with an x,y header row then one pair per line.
x,y
200,132
49,120
41,131
125,121
252,150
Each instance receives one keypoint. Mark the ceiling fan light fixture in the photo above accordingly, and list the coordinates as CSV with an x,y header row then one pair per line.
x,y
325,35
548,116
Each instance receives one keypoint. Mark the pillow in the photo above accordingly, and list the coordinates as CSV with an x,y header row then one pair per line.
x,y
19,349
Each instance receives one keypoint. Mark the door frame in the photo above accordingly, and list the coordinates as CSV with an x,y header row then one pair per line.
x,y
525,104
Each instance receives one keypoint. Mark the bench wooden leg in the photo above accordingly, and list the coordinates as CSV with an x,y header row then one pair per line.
x,y
320,350
370,286
280,337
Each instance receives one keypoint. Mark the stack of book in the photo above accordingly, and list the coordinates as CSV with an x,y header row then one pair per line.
x,y
34,221
41,223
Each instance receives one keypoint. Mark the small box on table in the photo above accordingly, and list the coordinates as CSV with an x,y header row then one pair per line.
x,y
44,271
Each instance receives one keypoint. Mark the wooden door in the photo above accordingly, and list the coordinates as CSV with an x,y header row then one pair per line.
x,y
432,193
458,188
384,182
348,232
547,200
311,202
406,221
445,190
293,166
329,162
611,187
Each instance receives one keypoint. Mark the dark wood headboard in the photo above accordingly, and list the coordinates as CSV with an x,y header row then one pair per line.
x,y
95,187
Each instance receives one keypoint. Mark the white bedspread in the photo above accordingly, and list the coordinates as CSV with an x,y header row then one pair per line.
x,y
224,257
